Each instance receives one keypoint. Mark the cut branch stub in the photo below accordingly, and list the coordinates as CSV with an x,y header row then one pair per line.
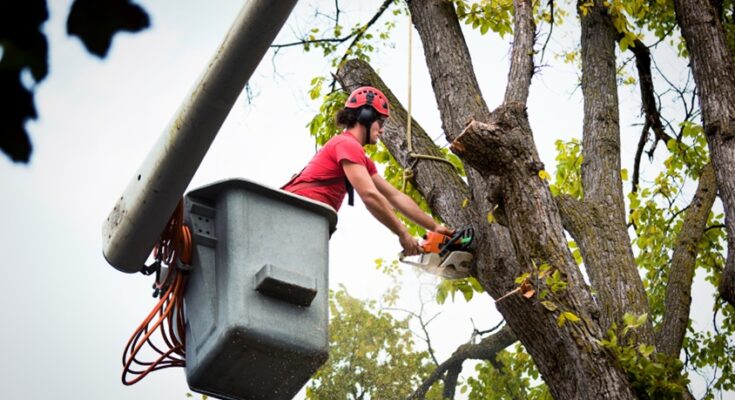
x,y
493,148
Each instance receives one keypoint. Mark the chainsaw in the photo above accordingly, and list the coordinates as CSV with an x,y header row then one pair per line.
x,y
445,256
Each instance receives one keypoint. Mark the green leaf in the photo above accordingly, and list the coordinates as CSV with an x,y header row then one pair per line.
x,y
572,317
646,350
551,306
566,316
561,320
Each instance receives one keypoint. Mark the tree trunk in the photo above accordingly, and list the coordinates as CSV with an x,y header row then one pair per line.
x,y
569,357
714,73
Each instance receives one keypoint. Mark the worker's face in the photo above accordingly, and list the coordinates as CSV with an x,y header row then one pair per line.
x,y
376,129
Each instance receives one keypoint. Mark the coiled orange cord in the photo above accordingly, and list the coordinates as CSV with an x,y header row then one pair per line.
x,y
175,242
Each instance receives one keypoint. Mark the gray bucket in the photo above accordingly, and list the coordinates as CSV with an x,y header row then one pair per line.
x,y
256,300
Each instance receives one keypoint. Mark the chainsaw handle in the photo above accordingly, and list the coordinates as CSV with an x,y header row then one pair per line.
x,y
458,234
402,255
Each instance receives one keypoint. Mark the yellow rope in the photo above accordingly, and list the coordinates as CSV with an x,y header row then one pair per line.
x,y
408,173
410,58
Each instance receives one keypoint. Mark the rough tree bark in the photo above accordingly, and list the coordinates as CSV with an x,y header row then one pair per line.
x,y
569,357
604,241
503,166
678,299
566,356
714,73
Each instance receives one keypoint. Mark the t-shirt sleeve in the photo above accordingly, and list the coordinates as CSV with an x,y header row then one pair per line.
x,y
350,150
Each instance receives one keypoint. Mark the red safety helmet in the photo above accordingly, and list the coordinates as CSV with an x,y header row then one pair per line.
x,y
370,96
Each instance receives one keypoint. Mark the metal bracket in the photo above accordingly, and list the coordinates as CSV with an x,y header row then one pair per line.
x,y
203,228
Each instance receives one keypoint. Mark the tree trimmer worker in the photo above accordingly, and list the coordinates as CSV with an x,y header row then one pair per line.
x,y
342,165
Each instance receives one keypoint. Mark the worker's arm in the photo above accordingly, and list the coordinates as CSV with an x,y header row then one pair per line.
x,y
407,206
378,206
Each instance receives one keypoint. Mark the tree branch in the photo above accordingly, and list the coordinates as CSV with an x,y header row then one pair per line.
x,y
521,65
648,105
450,381
678,290
357,34
551,29
364,29
574,215
457,94
487,349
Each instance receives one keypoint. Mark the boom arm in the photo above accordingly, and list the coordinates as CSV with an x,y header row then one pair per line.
x,y
142,210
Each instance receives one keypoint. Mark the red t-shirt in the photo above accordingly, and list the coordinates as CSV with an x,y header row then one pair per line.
x,y
325,165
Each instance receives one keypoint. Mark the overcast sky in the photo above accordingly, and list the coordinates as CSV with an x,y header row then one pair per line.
x,y
67,314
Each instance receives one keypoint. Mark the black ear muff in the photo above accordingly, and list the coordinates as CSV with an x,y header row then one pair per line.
x,y
367,116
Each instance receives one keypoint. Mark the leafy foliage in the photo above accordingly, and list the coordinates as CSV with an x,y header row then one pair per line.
x,y
496,16
713,350
652,375
449,287
95,22
363,38
371,354
513,375
324,126
658,218
24,48
568,176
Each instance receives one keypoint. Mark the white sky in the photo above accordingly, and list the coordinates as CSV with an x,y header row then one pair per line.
x,y
66,313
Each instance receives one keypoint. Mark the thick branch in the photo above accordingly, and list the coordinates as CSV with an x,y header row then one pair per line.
x,y
487,349
714,73
452,75
443,189
450,381
521,65
679,288
453,79
574,215
604,241
601,140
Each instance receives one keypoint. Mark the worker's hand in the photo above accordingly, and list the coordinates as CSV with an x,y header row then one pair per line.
x,y
410,244
443,230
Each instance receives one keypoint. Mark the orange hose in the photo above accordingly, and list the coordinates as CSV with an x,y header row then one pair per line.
x,y
175,242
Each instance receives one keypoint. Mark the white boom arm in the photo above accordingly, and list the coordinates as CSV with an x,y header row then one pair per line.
x,y
145,206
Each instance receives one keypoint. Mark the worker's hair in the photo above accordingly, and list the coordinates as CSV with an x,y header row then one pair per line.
x,y
347,117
